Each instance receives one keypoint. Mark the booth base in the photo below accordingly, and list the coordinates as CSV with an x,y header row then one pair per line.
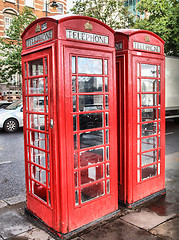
x,y
74,233
143,200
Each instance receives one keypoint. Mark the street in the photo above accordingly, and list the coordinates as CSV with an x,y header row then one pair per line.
x,y
12,173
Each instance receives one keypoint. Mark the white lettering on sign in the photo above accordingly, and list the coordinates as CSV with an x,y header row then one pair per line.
x,y
39,38
118,46
89,37
146,47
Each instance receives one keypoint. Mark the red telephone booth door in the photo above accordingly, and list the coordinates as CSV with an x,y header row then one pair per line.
x,y
91,135
150,115
37,132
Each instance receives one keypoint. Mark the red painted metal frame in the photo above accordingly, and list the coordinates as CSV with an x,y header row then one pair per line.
x,y
62,215
130,189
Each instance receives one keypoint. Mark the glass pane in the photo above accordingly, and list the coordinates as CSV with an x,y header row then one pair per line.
x,y
90,84
76,179
90,102
38,174
159,85
148,70
90,139
91,120
74,104
106,84
108,186
25,69
149,157
92,192
138,175
105,67
107,170
107,136
73,64
90,65
38,157
107,153
36,67
36,104
149,114
74,123
76,198
36,86
37,121
74,84
149,143
158,168
159,71
149,129
46,85
92,174
39,191
107,119
45,65
75,160
37,139
149,85
106,101
75,141
149,172
138,85
91,157
149,100
138,69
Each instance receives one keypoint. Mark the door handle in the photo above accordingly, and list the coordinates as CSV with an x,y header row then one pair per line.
x,y
51,123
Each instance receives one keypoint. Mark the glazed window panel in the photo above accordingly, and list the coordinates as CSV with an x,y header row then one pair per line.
x,y
37,139
91,120
149,100
90,84
148,143
148,158
38,157
37,121
36,104
90,102
90,65
36,86
149,114
149,172
91,139
148,70
149,129
92,174
35,67
91,157
92,192
149,85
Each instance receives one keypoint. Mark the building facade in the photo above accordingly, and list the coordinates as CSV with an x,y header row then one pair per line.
x,y
10,9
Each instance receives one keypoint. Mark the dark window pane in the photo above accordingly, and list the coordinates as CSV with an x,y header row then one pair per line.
x,y
91,139
91,120
92,192
90,102
149,172
149,114
90,84
149,129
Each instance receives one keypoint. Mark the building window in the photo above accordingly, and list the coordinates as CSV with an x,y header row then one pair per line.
x,y
7,23
11,1
60,8
29,3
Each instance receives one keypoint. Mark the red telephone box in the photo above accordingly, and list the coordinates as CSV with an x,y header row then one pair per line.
x,y
141,115
69,97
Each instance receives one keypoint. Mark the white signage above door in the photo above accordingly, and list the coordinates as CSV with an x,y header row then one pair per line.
x,y
88,37
146,47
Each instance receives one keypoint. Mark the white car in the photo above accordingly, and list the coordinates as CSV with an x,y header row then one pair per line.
x,y
11,118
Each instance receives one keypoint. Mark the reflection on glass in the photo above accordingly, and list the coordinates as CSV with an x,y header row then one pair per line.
x,y
149,143
38,174
148,70
138,85
149,114
38,157
46,85
25,70
149,100
35,67
138,69
91,120
40,194
75,160
105,67
76,198
149,129
138,175
106,101
75,141
90,102
107,119
74,123
107,153
37,121
92,174
73,64
92,192
159,71
74,84
36,104
90,84
149,85
106,84
107,136
149,172
76,179
36,86
149,157
91,157
90,65
90,139
108,186
74,103
37,139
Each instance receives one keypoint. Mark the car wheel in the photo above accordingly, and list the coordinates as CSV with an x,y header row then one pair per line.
x,y
11,125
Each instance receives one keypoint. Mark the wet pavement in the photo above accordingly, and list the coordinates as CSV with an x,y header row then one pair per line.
x,y
154,220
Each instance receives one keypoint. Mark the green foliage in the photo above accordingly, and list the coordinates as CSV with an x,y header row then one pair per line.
x,y
11,45
111,12
163,20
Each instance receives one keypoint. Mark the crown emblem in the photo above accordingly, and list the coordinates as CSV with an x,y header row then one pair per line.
x,y
37,29
88,26
147,38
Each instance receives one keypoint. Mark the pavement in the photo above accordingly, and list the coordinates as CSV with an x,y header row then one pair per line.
x,y
154,220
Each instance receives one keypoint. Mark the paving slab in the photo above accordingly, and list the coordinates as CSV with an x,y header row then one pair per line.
x,y
34,234
12,224
146,219
118,230
168,229
16,199
2,204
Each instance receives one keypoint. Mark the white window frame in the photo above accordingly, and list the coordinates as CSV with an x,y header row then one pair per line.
x,y
29,3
